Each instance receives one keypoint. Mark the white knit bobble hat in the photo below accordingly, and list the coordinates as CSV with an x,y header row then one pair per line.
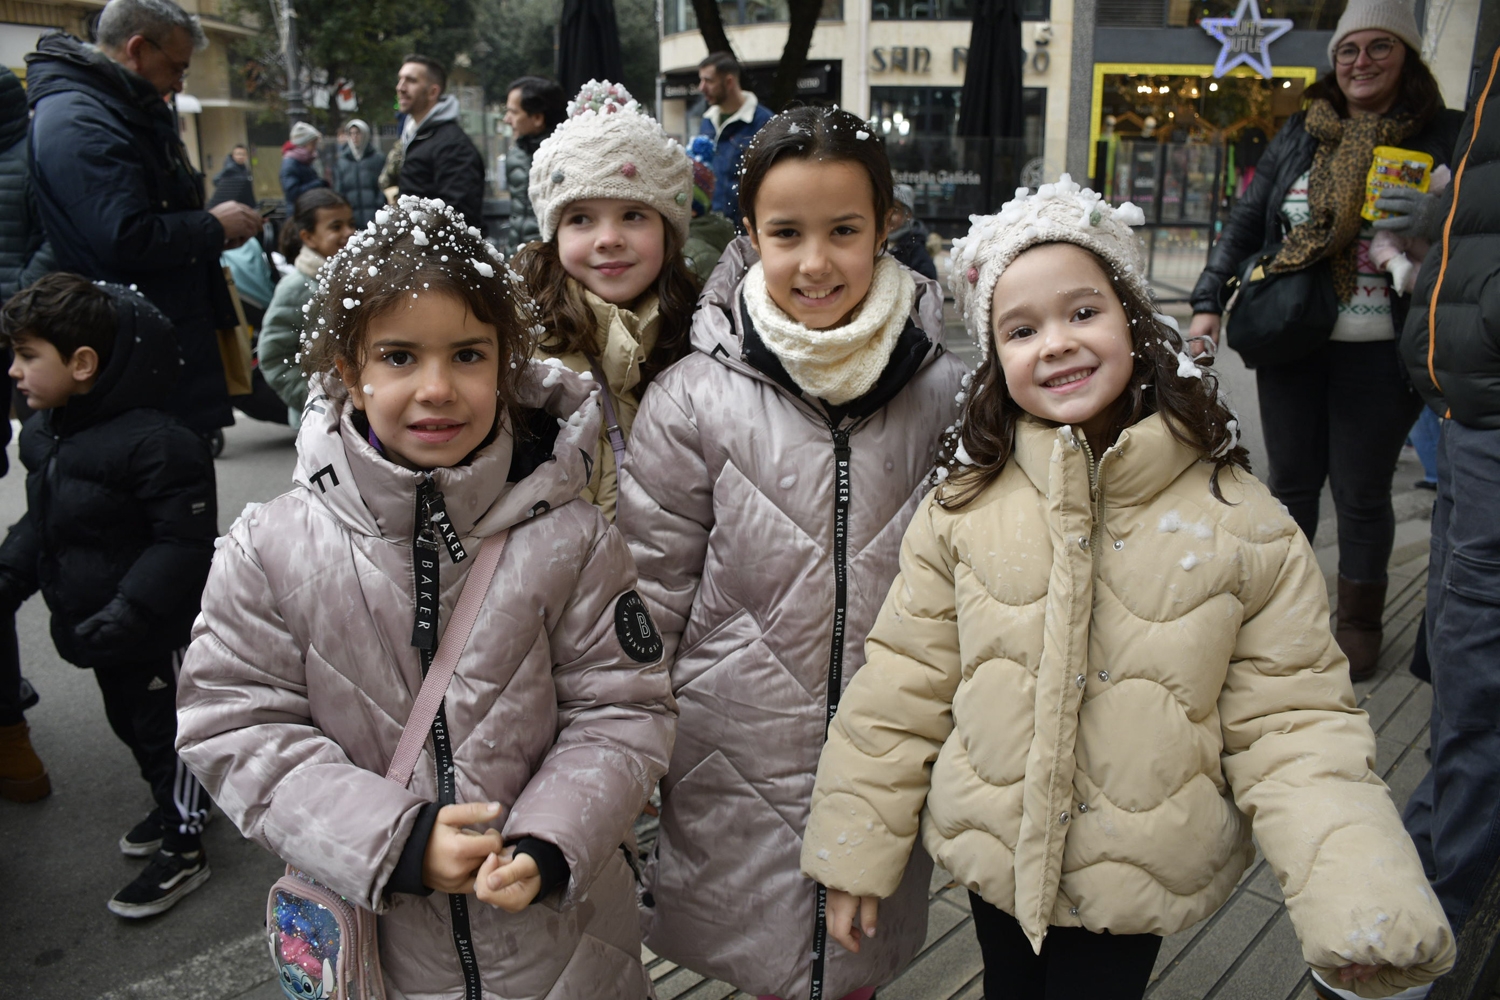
x,y
608,148
304,133
1395,16
1056,213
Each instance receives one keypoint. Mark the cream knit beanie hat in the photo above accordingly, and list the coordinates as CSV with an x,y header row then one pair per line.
x,y
1395,16
304,133
609,148
1056,213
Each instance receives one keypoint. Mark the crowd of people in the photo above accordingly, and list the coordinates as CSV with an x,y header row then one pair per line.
x,y
680,490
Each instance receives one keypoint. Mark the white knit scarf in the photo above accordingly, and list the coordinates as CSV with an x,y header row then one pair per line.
x,y
842,363
308,261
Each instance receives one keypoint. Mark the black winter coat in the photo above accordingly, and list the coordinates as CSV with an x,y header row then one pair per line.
x,y
358,180
1288,156
234,183
24,254
121,203
1466,341
120,502
441,162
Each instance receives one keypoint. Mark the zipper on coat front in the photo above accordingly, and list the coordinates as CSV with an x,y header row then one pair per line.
x,y
1096,498
841,495
431,512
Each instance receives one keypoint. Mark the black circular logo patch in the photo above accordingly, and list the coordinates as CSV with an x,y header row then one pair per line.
x,y
635,629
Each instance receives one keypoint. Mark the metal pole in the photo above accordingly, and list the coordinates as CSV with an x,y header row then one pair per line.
x,y
296,111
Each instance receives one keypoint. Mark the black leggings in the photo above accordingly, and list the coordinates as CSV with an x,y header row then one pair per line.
x,y
1341,416
1075,964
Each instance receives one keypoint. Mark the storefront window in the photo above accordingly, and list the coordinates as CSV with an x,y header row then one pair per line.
x,y
678,15
1195,109
947,10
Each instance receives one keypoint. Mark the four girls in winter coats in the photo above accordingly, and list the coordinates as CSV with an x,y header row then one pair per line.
x,y
426,416
769,478
1106,660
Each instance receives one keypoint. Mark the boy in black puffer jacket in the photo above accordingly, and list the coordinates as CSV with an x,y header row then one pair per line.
x,y
118,535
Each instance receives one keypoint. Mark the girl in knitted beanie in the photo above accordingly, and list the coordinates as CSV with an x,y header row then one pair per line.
x,y
1106,661
614,297
769,478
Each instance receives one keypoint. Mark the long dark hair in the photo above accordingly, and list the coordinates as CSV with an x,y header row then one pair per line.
x,y
1193,409
305,218
570,323
811,133
1418,95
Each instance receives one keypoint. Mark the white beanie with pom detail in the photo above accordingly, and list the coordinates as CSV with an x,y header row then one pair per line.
x,y
609,148
1056,213
1394,16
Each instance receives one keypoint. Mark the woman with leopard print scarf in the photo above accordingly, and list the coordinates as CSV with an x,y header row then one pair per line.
x,y
1342,414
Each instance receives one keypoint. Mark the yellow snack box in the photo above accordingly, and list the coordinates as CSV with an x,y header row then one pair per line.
x,y
1394,167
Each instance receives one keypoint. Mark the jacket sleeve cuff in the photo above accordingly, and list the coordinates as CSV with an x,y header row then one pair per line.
x,y
550,864
407,876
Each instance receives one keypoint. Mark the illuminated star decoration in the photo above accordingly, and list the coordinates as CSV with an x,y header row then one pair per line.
x,y
1245,39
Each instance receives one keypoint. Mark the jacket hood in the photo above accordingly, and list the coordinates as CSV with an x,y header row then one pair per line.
x,y
13,118
62,63
445,110
507,481
142,369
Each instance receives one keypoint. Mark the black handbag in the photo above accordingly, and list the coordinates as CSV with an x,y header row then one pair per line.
x,y
1278,318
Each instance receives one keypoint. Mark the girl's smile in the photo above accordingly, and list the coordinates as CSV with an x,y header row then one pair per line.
x,y
613,247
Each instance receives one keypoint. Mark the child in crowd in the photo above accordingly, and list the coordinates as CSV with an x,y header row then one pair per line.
x,y
427,429
318,229
710,232
614,298
118,535
768,482
1107,661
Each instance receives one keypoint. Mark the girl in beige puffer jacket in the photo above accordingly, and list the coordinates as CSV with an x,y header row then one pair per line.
x,y
1106,660
428,432
768,481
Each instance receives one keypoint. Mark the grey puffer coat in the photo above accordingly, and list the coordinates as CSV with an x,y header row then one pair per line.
x,y
301,675
729,498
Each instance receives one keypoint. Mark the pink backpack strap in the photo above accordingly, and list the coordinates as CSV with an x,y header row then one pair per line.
x,y
611,424
452,643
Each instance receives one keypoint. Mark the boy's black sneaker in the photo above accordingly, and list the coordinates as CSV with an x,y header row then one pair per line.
x,y
166,880
144,839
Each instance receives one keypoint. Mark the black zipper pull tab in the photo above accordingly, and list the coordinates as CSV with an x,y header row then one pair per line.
x,y
437,517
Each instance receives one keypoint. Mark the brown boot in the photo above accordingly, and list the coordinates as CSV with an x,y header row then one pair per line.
x,y
1358,628
22,776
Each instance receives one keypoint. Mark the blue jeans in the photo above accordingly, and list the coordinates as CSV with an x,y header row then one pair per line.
x,y
1454,815
1424,438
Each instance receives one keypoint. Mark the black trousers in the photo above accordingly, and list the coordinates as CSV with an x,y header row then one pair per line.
x,y
1075,964
1340,415
140,701
10,673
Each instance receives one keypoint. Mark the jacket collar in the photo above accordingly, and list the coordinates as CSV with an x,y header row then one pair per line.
x,y
746,113
1144,461
370,495
62,63
623,338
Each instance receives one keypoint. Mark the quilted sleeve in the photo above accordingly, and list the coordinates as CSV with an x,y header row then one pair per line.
x,y
892,721
1300,756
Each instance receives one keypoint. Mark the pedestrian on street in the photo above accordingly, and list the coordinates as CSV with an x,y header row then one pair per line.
x,y
117,196
614,298
733,117
908,239
1341,414
118,535
1450,343
534,107
438,159
356,173
299,164
235,182
709,233
769,477
429,428
1107,660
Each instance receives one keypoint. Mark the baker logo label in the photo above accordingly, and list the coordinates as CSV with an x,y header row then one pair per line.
x,y
635,629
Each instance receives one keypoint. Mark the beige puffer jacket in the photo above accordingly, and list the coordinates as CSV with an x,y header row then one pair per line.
x,y
623,340
301,675
729,496
1109,707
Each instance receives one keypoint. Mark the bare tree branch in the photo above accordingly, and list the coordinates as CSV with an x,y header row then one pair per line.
x,y
804,18
711,26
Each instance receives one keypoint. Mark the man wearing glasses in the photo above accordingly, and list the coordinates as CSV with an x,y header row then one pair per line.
x,y
115,190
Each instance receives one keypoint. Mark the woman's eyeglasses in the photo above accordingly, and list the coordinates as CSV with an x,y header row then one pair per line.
x,y
1379,51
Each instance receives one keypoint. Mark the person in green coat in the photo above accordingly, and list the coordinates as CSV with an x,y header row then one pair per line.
x,y
709,232
319,227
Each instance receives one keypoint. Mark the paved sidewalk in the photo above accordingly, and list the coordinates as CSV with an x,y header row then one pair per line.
x,y
1245,951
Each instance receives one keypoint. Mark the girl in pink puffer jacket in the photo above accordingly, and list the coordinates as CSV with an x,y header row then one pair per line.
x,y
427,430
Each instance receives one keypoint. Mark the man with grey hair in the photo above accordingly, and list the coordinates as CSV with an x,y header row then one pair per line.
x,y
115,190
121,202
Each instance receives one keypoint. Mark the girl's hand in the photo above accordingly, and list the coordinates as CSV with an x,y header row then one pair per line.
x,y
1358,973
454,853
507,881
1204,325
850,917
